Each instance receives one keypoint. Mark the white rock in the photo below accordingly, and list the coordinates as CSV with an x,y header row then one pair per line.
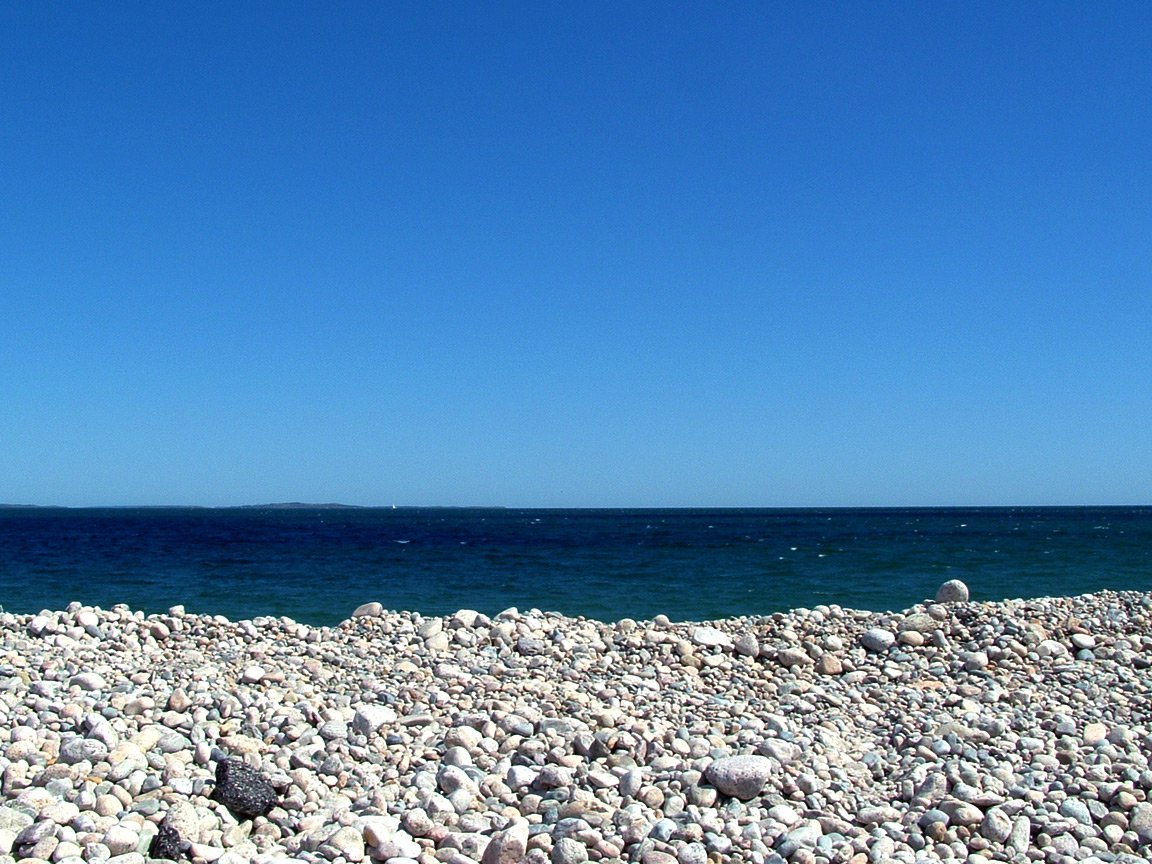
x,y
1050,648
88,681
370,717
121,839
1082,641
711,637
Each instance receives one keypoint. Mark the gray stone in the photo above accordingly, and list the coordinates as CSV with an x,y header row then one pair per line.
x,y
569,851
782,751
878,639
692,853
1020,837
36,831
1076,809
15,820
877,815
996,825
918,622
952,591
740,777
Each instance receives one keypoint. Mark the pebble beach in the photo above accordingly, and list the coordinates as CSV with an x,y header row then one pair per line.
x,y
1011,731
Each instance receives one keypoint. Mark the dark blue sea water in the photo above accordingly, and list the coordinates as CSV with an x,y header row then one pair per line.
x,y
317,564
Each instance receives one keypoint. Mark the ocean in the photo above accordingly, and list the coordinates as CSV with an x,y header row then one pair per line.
x,y
317,564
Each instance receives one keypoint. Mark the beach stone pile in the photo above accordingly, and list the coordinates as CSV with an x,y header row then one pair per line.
x,y
1011,731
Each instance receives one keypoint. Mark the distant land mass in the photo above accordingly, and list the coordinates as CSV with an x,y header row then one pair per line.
x,y
296,505
284,505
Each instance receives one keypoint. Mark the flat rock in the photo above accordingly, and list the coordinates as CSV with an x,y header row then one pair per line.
x,y
711,637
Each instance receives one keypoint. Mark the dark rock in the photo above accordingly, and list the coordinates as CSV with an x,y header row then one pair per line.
x,y
243,790
166,844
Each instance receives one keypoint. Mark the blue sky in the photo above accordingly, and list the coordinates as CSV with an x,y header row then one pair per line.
x,y
576,254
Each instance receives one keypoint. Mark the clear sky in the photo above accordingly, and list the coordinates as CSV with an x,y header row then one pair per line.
x,y
576,253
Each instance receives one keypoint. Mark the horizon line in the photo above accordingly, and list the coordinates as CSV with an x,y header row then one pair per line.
x,y
304,505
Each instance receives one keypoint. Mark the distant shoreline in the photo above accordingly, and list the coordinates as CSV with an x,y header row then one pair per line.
x,y
334,505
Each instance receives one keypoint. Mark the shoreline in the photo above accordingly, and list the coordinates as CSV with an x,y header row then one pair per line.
x,y
993,730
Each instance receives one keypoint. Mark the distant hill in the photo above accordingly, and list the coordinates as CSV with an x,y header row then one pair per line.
x,y
296,505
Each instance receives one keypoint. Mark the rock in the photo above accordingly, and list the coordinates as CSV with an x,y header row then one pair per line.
x,y
243,790
368,719
974,661
508,846
961,812
1094,733
1051,649
877,815
183,820
918,622
792,656
165,844
692,853
368,610
782,751
1020,837
747,645
120,839
530,646
569,851
952,591
711,637
88,681
1076,809
974,737
740,777
996,825
348,842
878,639
829,664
